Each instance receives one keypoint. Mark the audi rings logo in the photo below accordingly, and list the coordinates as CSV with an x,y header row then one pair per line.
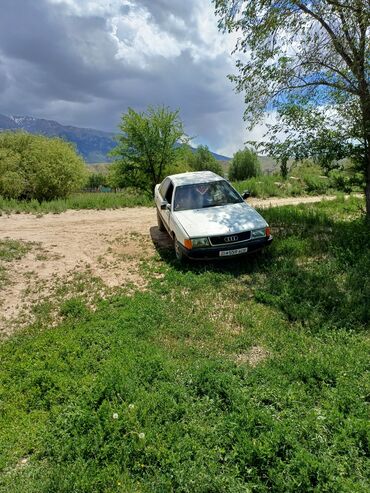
x,y
229,239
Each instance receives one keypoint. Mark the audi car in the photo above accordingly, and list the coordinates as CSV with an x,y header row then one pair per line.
x,y
207,218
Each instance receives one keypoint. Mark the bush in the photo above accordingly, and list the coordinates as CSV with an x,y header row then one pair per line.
x,y
346,181
244,165
97,180
38,167
312,175
203,160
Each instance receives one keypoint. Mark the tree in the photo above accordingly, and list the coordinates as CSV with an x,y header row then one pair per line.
x,y
315,49
244,165
96,180
147,147
203,160
37,167
320,134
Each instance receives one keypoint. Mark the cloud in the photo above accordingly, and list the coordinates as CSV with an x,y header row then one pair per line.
x,y
84,62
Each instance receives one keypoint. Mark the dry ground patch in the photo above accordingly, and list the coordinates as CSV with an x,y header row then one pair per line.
x,y
99,245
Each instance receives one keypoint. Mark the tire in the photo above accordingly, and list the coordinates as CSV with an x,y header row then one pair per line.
x,y
160,222
178,252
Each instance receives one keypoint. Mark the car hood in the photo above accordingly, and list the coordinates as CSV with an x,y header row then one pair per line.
x,y
222,220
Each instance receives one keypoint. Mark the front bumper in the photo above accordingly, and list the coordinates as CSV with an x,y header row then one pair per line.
x,y
213,252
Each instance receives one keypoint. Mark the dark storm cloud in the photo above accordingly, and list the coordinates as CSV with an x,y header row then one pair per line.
x,y
67,64
182,11
52,46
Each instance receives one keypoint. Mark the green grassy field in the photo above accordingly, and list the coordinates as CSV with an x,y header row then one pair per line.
x,y
243,376
83,200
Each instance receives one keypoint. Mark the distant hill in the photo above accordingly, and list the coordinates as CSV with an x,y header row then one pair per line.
x,y
93,145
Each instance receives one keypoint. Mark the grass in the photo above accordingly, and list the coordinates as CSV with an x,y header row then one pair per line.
x,y
81,200
13,250
275,186
250,375
304,179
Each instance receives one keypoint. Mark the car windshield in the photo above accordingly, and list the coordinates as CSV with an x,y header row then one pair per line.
x,y
201,195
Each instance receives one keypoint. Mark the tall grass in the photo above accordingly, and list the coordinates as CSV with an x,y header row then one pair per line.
x,y
275,186
305,179
87,200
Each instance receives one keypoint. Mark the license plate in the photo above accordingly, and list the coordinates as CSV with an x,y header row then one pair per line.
x,y
228,253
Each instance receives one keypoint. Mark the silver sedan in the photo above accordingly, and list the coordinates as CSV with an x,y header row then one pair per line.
x,y
207,218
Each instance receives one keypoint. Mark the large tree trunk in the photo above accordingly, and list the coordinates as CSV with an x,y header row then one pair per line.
x,y
367,170
367,187
365,105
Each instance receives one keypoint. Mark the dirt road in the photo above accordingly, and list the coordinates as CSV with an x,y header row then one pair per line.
x,y
103,245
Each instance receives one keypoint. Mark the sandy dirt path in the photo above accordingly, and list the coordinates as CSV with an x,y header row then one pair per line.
x,y
108,244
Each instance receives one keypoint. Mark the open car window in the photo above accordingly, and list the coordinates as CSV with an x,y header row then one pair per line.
x,y
169,193
202,195
164,187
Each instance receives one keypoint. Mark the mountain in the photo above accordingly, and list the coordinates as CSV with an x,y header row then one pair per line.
x,y
93,145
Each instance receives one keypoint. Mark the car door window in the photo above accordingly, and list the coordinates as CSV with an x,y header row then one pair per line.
x,y
164,187
169,193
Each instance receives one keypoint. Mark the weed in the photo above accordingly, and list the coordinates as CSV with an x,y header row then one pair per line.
x,y
13,249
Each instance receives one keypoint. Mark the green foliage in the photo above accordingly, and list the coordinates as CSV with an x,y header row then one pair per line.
x,y
300,183
305,178
12,184
244,165
152,394
203,160
321,87
266,186
97,180
312,176
314,133
37,167
74,308
146,148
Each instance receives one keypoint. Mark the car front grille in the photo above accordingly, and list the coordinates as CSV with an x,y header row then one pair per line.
x,y
230,239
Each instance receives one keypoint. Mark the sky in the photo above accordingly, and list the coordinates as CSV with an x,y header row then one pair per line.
x,y
84,62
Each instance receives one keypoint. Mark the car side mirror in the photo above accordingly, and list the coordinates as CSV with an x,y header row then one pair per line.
x,y
168,207
164,205
246,194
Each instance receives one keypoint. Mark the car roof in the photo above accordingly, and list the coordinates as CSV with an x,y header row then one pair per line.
x,y
194,177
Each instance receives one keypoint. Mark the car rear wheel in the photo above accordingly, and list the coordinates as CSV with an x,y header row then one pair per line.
x,y
160,222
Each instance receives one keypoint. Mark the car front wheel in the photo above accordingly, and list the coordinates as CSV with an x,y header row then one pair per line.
x,y
178,252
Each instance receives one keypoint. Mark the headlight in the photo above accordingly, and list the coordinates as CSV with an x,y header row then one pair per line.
x,y
259,233
200,242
